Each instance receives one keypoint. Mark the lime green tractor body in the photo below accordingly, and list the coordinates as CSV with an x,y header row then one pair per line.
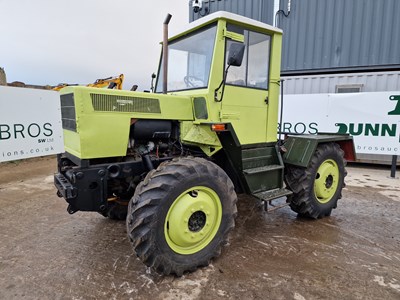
x,y
172,161
251,107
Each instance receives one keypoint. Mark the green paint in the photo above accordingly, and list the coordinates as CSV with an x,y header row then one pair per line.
x,y
234,36
96,134
326,181
102,113
300,149
367,129
202,136
193,220
396,111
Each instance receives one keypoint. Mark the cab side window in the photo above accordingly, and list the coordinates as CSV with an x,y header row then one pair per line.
x,y
255,66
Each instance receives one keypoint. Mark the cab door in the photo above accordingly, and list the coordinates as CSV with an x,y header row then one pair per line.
x,y
245,100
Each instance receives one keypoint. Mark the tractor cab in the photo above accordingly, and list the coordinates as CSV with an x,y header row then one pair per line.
x,y
230,65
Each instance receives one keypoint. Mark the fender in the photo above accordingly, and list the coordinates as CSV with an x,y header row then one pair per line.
x,y
299,149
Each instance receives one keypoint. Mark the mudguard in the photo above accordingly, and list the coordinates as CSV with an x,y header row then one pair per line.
x,y
299,149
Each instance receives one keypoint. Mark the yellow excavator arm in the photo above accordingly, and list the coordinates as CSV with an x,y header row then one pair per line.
x,y
62,85
109,83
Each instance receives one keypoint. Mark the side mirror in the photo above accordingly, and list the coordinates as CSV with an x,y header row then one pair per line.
x,y
236,53
235,58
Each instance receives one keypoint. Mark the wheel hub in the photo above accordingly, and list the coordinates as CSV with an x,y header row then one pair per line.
x,y
197,221
193,220
329,181
326,181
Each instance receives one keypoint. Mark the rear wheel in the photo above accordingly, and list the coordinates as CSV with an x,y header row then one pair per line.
x,y
317,188
181,214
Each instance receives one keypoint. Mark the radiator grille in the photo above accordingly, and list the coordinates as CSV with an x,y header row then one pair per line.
x,y
68,116
103,102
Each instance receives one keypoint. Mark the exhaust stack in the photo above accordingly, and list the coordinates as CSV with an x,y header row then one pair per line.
x,y
165,53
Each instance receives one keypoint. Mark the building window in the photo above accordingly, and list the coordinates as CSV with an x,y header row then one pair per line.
x,y
255,66
349,88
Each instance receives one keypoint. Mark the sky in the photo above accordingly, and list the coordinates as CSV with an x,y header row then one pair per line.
x,y
47,42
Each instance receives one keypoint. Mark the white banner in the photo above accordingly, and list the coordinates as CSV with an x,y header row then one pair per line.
x,y
30,123
30,120
373,119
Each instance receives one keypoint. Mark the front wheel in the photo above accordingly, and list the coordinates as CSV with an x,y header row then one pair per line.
x,y
317,188
181,214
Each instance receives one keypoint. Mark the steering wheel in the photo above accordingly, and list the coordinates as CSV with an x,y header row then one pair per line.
x,y
193,81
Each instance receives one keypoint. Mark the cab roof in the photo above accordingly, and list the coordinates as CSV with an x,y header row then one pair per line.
x,y
233,18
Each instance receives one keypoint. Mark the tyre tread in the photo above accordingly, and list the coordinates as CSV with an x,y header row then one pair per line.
x,y
301,180
143,209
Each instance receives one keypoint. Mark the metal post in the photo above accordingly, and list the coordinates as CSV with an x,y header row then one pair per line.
x,y
394,165
281,113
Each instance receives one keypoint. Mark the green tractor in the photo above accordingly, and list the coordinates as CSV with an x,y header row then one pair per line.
x,y
172,161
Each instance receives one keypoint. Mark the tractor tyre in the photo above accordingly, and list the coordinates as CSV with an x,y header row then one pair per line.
x,y
180,215
317,188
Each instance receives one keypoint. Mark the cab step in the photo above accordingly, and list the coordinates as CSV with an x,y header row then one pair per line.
x,y
273,199
262,169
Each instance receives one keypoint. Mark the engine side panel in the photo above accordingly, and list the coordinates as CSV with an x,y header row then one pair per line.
x,y
101,124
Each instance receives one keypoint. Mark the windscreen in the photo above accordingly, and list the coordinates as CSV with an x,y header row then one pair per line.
x,y
189,61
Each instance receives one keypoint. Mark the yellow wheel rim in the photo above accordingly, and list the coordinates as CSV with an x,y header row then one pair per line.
x,y
193,220
326,181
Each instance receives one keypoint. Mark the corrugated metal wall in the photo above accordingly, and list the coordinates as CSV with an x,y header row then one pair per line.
x,y
260,10
328,35
316,84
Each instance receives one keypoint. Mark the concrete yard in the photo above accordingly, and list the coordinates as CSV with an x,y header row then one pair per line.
x,y
45,253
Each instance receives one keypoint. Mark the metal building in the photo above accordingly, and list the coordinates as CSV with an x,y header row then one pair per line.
x,y
329,46
325,36
260,10
342,82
